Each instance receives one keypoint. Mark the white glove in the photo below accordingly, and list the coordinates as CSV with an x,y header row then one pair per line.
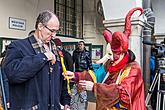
x,y
87,85
69,74
51,57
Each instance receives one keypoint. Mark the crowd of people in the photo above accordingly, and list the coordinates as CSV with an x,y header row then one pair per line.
x,y
36,78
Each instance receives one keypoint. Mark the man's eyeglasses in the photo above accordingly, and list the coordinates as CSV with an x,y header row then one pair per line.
x,y
51,30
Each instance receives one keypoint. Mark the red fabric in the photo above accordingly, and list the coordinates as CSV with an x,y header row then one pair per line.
x,y
131,89
57,42
106,96
81,76
107,35
119,41
130,92
127,29
119,65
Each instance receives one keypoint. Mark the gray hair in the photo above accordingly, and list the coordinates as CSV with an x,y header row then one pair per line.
x,y
43,18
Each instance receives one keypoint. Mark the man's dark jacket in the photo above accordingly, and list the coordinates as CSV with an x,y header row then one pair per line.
x,y
31,85
68,60
82,60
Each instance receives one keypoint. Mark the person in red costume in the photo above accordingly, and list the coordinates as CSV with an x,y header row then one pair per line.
x,y
123,86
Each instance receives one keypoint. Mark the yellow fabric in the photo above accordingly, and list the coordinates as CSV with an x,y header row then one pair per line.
x,y
123,75
92,74
64,71
1,106
114,108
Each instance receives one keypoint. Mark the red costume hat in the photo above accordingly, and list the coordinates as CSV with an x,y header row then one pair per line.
x,y
119,40
57,42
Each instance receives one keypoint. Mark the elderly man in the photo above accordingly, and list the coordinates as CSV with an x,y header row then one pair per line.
x,y
34,70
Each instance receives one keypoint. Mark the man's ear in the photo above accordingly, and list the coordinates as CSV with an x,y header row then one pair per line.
x,y
40,26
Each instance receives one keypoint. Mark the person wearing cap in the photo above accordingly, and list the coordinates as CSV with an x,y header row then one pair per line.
x,y
123,86
82,58
82,61
67,56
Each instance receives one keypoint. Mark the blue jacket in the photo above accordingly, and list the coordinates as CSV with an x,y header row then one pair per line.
x,y
30,84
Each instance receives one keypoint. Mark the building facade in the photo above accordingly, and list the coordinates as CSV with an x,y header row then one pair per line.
x,y
84,20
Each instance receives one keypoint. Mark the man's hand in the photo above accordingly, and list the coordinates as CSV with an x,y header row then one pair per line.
x,y
69,74
51,57
86,85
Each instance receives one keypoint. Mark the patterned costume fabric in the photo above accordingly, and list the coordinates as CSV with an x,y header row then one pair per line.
x,y
127,87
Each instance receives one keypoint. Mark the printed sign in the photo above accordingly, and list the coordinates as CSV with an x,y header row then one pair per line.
x,y
15,23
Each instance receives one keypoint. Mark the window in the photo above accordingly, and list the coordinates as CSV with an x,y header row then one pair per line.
x,y
70,16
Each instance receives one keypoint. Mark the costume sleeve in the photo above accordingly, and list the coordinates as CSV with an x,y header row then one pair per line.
x,y
82,76
108,95
19,67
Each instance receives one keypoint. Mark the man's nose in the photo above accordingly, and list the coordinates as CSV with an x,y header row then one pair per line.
x,y
53,35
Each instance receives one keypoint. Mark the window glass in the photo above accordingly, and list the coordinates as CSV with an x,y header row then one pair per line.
x,y
70,16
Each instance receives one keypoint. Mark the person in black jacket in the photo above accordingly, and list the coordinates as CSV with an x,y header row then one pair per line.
x,y
67,56
82,61
34,70
82,58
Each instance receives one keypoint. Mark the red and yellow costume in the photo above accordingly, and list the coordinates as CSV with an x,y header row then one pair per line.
x,y
123,87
